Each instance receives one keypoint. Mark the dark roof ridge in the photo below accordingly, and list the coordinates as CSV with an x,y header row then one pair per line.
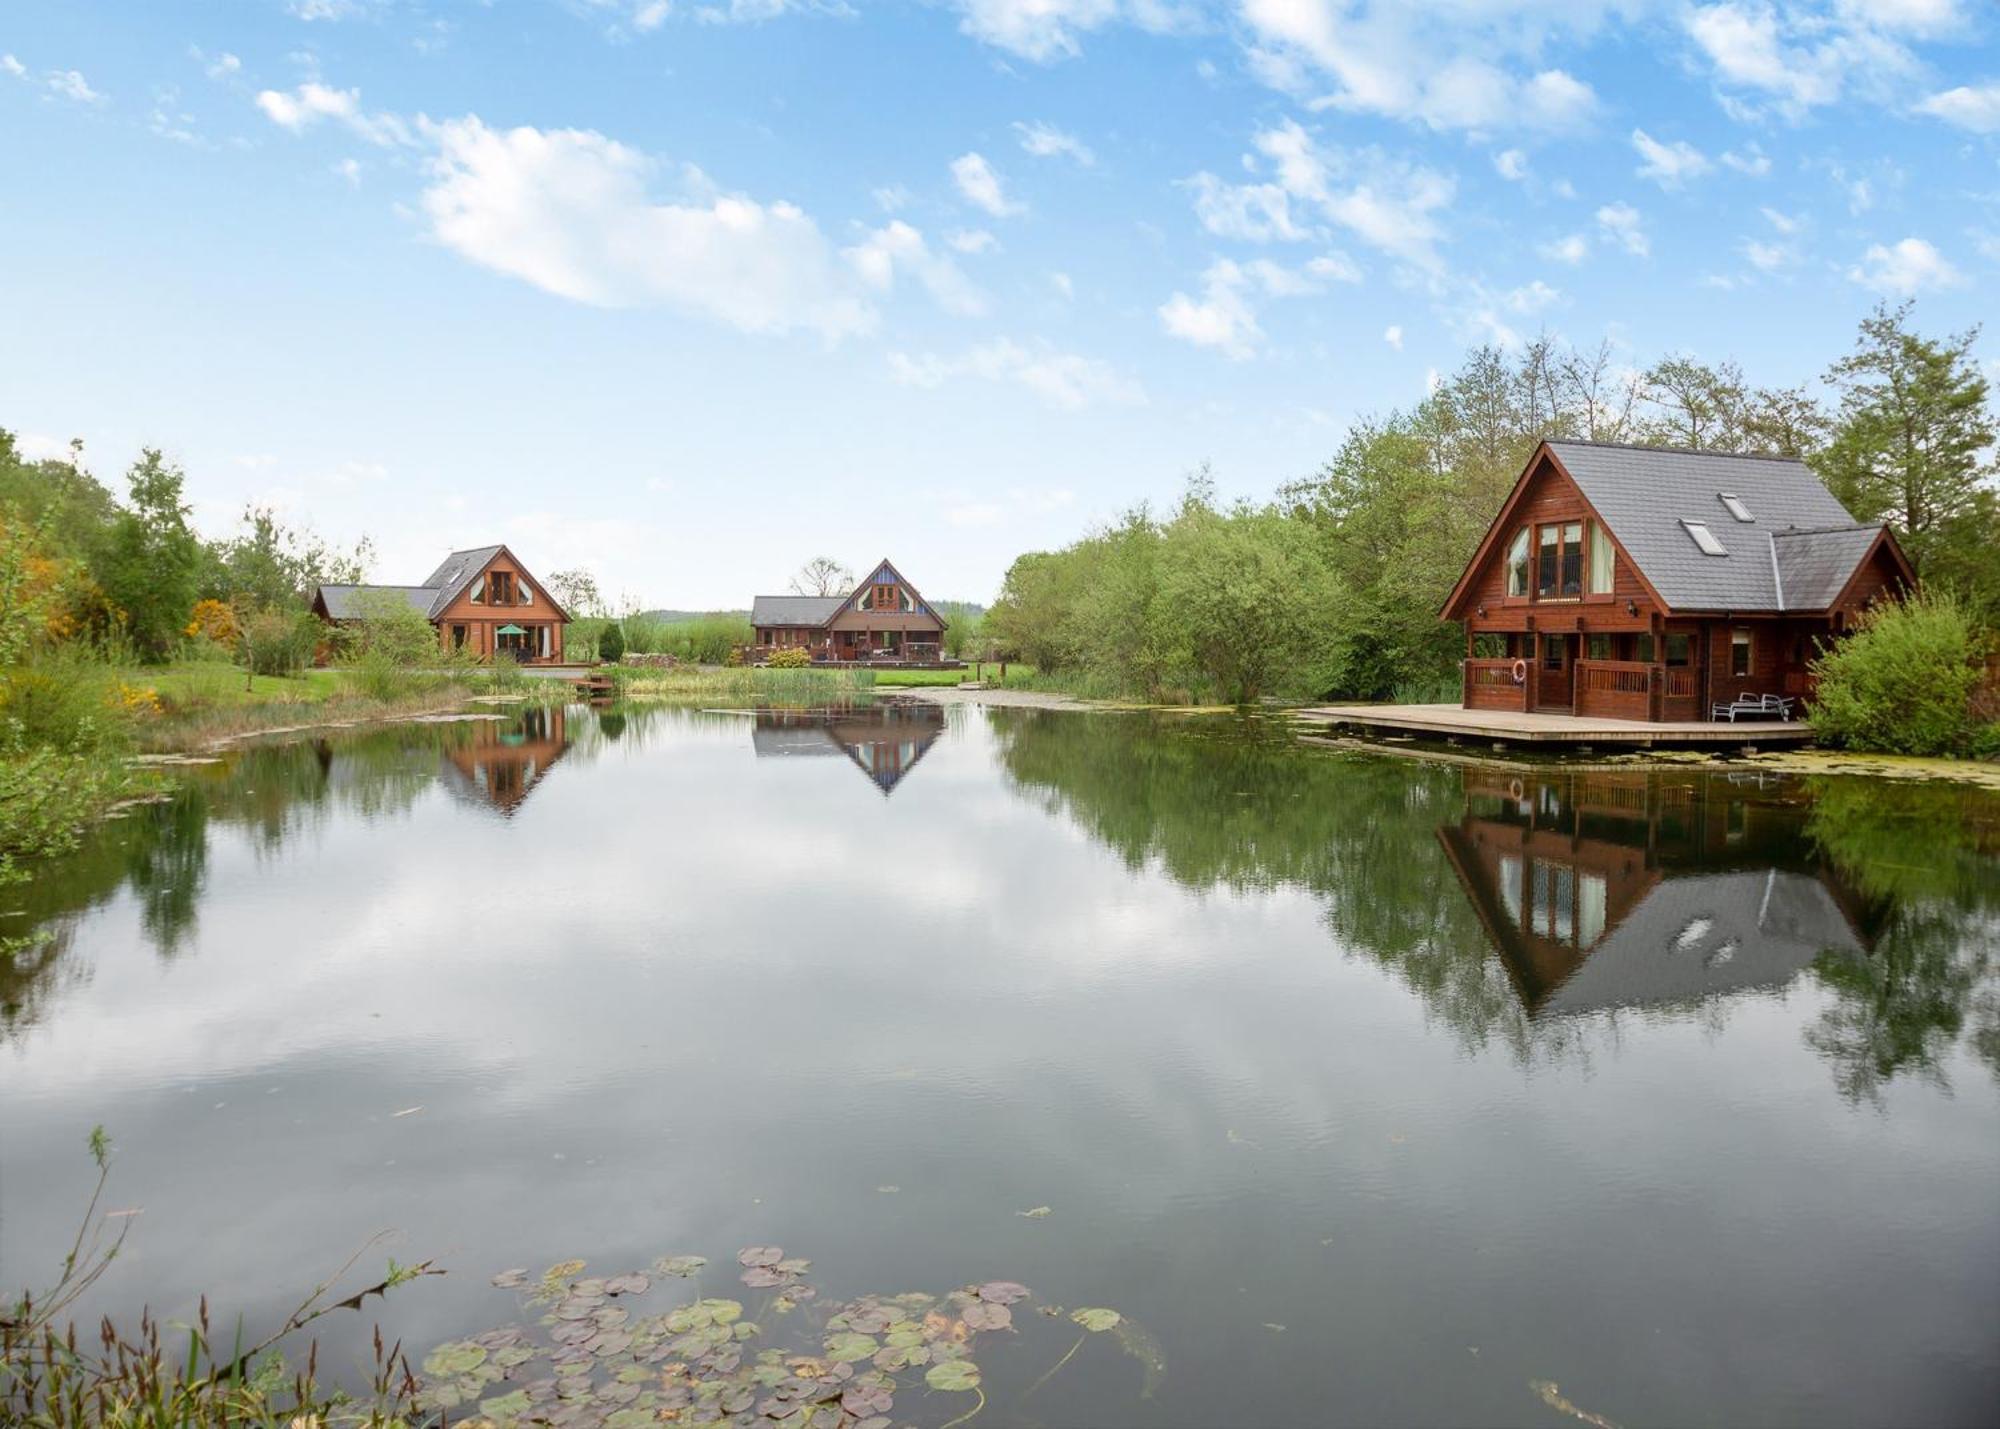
x,y
1671,451
1826,530
371,585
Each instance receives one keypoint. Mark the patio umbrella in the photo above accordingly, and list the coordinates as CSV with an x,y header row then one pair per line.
x,y
510,630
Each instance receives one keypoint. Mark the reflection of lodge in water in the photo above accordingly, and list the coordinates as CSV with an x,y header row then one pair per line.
x,y
1611,889
885,740
503,761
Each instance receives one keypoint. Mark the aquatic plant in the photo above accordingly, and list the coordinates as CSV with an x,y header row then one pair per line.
x,y
599,1358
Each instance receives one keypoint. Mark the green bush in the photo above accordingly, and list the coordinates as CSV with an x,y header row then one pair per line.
x,y
611,643
1903,683
280,642
792,657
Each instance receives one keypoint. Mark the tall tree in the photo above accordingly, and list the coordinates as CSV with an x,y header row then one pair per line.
x,y
823,575
1913,445
1694,405
152,568
576,591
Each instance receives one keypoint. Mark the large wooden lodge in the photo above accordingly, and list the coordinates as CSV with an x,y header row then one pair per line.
x,y
1646,583
883,619
482,600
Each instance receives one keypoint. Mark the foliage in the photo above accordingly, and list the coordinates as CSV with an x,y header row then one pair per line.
x,y
272,565
1903,683
611,643
280,641
53,1378
153,562
576,592
214,622
1913,447
790,657
695,640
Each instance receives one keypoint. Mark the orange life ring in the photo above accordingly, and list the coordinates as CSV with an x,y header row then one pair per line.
x,y
1520,672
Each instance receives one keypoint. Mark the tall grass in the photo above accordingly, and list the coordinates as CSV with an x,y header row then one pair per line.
x,y
746,683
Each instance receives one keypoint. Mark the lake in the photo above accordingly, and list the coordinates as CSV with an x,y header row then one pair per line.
x,y
1369,1090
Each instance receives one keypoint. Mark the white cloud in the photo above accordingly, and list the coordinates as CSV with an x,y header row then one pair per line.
x,y
568,211
1621,224
349,169
981,186
312,101
1974,107
1783,222
326,9
10,65
897,245
1387,203
971,241
1668,164
1393,335
1750,160
891,198
1511,164
70,84
1532,298
1062,379
1045,141
1466,70
221,67
1904,268
1048,30
1797,57
1768,257
1571,249
1222,318
1062,284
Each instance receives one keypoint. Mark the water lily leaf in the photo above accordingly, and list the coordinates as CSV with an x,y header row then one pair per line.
x,y
861,1400
512,1355
759,1255
1003,1292
1036,1214
850,1346
869,1320
953,1374
460,1357
683,1266
506,1407
794,1265
630,1284
510,1279
982,1316
1095,1319
629,1418
762,1277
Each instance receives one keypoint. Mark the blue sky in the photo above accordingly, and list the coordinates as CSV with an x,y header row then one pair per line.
x,y
689,292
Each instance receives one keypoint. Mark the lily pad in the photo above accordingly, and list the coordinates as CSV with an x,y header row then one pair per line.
x,y
683,1266
505,1407
1096,1319
953,1374
762,1277
458,1358
984,1316
759,1255
850,1346
510,1279
862,1400
631,1284
1003,1292
1036,1214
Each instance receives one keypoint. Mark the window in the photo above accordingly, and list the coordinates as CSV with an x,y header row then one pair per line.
x,y
1546,563
1552,652
527,594
1572,558
1517,564
478,593
1600,560
458,637
1642,649
1680,649
1600,647
502,591
1739,652
885,597
1704,538
1735,505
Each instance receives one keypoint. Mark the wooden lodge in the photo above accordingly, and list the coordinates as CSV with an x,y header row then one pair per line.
x,y
1646,583
482,600
883,620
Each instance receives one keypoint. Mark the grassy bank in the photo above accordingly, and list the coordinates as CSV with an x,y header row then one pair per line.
x,y
987,673
748,683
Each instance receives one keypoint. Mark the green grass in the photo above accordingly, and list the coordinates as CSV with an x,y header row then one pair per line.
x,y
746,683
989,675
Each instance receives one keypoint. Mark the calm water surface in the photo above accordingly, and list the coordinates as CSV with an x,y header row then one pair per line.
x,y
1373,1089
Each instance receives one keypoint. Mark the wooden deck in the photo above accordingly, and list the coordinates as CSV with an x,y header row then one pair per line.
x,y
1511,727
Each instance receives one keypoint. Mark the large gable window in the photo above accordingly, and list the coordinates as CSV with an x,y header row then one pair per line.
x,y
1559,571
1517,564
1600,560
1704,538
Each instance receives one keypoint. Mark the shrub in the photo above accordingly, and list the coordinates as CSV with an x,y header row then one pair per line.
x,y
611,643
280,642
792,657
1903,683
214,622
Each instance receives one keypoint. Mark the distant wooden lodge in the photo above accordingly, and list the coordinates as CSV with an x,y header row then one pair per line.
x,y
884,619
1603,890
1646,583
482,600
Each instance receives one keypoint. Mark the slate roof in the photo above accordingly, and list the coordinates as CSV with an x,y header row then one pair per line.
x,y
457,571
795,609
1789,557
343,602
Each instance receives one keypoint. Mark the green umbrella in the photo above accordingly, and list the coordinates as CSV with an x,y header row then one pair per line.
x,y
510,630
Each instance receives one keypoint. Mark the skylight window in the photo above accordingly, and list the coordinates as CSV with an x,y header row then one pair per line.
x,y
1699,533
1735,505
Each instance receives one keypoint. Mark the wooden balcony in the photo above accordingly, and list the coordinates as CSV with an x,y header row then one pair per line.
x,y
1490,685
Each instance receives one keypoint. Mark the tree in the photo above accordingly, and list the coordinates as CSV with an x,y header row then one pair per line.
x,y
576,591
823,575
611,643
1695,405
1912,445
153,564
271,564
